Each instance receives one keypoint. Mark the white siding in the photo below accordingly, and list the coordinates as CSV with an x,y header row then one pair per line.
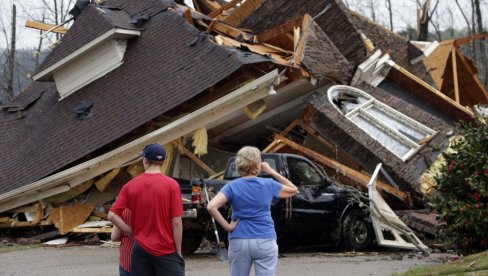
x,y
89,67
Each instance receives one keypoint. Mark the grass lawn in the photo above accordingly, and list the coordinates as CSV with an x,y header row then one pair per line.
x,y
476,264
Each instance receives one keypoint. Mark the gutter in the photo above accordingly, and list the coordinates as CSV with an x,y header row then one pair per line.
x,y
78,174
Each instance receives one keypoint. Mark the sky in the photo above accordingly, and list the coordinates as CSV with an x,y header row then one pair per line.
x,y
404,13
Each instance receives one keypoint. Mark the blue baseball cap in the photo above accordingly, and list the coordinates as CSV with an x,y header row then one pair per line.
x,y
154,152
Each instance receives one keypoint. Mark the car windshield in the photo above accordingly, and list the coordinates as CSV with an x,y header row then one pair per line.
x,y
232,172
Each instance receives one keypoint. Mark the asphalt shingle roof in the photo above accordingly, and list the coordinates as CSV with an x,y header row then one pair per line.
x,y
162,68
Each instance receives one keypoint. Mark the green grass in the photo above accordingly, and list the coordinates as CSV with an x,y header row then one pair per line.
x,y
17,247
476,264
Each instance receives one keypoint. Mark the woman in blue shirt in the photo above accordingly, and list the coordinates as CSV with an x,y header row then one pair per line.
x,y
252,238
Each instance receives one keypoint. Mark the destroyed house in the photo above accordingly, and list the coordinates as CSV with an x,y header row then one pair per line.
x,y
129,73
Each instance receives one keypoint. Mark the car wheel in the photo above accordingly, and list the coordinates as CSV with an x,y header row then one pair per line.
x,y
191,242
357,230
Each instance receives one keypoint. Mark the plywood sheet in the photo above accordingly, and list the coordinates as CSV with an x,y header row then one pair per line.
x,y
436,63
65,218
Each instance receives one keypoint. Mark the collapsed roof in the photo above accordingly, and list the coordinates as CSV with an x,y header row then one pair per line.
x,y
173,61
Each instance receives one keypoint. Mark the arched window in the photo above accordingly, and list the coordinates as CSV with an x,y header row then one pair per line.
x,y
397,132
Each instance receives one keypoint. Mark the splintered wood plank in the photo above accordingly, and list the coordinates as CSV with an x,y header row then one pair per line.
x,y
65,218
341,155
460,41
45,27
256,48
290,127
306,23
428,93
105,180
187,14
227,6
244,10
223,28
92,230
455,75
197,160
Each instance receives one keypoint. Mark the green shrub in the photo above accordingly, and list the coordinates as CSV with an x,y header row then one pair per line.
x,y
462,190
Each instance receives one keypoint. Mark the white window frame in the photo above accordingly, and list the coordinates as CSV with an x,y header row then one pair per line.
x,y
361,110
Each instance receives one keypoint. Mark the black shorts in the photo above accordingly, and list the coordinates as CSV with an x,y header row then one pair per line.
x,y
142,263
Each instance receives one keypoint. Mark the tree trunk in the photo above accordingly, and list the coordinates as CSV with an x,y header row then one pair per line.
x,y
39,46
56,17
423,22
390,12
372,8
482,62
11,57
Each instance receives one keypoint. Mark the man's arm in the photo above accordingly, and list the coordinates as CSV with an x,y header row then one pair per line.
x,y
119,222
116,234
178,233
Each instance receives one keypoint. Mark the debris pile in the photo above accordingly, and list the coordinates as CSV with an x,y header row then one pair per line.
x,y
317,80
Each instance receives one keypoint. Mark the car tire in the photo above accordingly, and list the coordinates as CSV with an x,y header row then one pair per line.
x,y
191,242
357,230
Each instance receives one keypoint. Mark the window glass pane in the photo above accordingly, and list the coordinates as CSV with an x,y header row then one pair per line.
x,y
387,140
232,171
302,173
271,162
396,124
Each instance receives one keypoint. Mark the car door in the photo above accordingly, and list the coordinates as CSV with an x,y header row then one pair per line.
x,y
314,203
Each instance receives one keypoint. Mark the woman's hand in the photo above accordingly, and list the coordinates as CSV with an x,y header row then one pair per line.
x,y
232,225
266,168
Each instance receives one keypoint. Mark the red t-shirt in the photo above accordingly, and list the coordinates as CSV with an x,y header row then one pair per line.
x,y
153,199
126,243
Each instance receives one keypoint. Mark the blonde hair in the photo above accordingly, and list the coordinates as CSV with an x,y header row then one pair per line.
x,y
248,161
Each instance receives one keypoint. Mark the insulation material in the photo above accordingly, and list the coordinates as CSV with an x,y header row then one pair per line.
x,y
255,109
103,182
68,195
427,179
65,218
136,169
200,141
169,148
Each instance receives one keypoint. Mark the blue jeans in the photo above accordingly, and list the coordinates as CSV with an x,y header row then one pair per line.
x,y
123,272
243,253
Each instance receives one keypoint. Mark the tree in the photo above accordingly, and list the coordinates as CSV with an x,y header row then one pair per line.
x,y
424,18
390,12
11,56
462,199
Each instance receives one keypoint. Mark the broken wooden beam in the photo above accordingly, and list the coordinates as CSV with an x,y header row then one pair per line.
x,y
45,27
187,14
220,27
195,159
355,176
455,75
225,7
91,230
244,10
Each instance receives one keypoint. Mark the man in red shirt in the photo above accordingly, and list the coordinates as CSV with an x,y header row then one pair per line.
x,y
156,209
